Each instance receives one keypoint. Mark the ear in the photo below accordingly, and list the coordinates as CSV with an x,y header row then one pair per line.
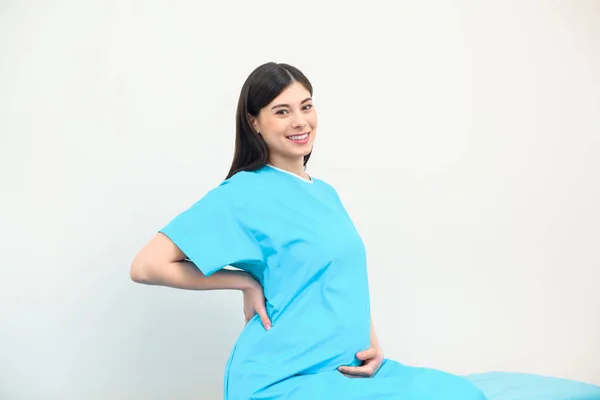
x,y
253,122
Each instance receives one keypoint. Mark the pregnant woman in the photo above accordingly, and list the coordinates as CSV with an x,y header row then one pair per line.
x,y
299,261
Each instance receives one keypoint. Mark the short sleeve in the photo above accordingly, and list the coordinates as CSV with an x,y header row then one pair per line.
x,y
211,233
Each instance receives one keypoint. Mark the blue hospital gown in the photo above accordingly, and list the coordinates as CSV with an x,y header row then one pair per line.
x,y
295,237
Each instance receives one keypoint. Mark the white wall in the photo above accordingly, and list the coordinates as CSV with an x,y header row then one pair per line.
x,y
463,137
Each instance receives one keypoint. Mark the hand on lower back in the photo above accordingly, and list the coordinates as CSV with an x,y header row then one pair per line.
x,y
254,303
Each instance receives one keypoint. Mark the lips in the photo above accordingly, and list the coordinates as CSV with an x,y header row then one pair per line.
x,y
300,138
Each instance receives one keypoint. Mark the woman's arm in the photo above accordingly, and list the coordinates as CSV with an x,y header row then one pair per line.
x,y
162,263
185,275
374,339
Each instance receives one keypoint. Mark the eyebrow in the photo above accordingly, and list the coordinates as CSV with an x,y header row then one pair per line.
x,y
287,105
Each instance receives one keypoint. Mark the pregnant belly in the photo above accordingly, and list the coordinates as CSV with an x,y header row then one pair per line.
x,y
317,331
301,342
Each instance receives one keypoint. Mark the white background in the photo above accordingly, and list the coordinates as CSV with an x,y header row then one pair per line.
x,y
463,137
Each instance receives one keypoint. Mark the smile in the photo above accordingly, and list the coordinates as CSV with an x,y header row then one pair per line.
x,y
300,138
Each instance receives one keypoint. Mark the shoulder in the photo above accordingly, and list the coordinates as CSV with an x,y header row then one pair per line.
x,y
237,190
326,186
242,182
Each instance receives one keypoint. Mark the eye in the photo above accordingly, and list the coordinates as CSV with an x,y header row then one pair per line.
x,y
308,105
280,112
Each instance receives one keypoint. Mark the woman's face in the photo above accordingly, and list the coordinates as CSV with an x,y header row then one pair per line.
x,y
288,124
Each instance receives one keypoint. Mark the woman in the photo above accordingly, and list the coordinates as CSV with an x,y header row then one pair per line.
x,y
300,262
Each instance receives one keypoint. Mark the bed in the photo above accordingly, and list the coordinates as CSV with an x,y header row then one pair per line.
x,y
520,386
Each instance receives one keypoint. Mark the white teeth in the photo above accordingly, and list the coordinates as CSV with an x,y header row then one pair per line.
x,y
298,137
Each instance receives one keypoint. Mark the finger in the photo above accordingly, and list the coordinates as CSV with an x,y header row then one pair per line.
x,y
366,354
364,370
264,318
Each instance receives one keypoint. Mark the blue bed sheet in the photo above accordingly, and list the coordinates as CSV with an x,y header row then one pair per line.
x,y
520,386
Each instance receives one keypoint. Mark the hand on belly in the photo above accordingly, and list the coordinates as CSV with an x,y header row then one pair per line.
x,y
372,358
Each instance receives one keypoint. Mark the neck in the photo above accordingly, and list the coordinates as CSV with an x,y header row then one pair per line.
x,y
295,165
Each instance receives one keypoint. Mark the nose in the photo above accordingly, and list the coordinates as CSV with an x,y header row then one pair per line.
x,y
298,122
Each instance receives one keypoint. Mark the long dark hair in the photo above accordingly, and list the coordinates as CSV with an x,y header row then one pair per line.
x,y
262,86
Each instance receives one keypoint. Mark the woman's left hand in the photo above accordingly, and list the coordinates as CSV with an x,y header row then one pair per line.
x,y
372,359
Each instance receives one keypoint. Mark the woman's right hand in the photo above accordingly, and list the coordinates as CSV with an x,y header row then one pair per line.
x,y
254,303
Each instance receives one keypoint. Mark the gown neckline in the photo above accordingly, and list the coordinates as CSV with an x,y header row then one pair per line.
x,y
291,173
